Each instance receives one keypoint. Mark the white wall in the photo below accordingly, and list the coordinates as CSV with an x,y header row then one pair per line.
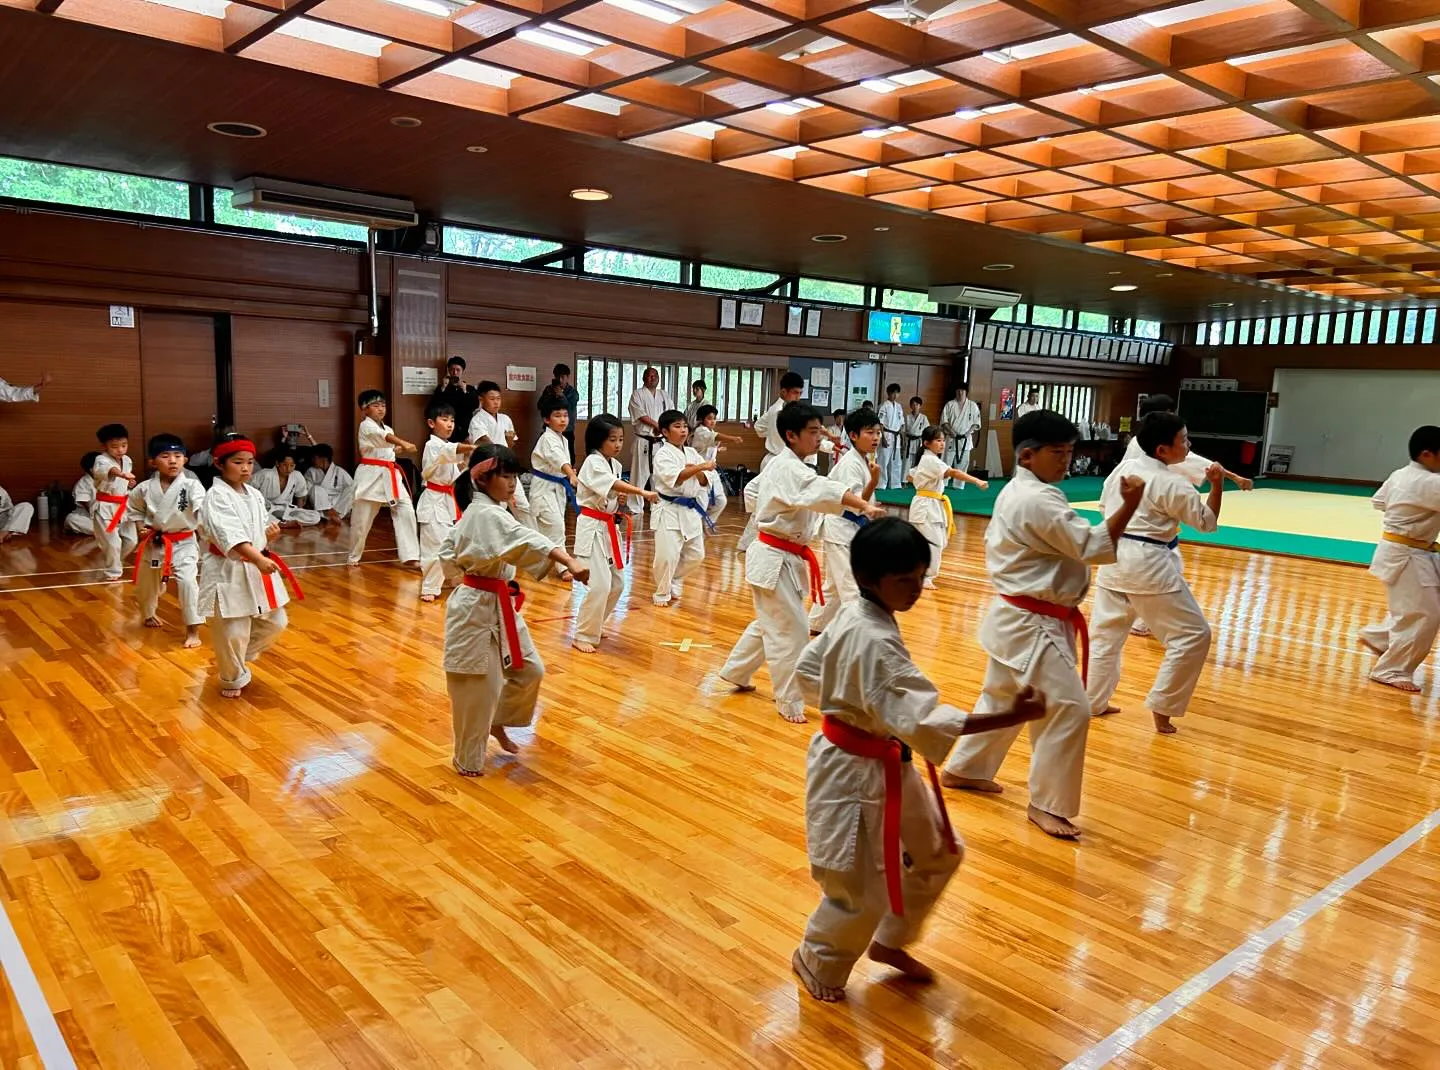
x,y
1351,424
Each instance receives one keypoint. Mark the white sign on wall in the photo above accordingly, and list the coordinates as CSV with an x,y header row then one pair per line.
x,y
324,392
122,316
518,378
419,380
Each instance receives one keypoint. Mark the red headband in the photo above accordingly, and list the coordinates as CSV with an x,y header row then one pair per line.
x,y
234,445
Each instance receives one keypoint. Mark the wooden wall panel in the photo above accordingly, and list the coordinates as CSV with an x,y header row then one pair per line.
x,y
417,333
277,368
177,376
97,381
1255,366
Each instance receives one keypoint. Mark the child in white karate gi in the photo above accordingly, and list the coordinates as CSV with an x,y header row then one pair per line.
x,y
438,511
284,489
1038,553
114,531
1147,578
682,479
379,483
492,669
780,566
15,517
167,507
857,470
930,509
708,442
597,528
242,584
552,475
332,491
916,423
78,521
878,706
491,425
1407,562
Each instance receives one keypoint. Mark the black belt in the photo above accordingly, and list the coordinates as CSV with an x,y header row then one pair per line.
x,y
1153,542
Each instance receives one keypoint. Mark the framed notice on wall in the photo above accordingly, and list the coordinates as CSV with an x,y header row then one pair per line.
x,y
729,313
752,314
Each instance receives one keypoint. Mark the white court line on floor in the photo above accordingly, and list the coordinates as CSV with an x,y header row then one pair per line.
x,y
125,582
1248,954
44,1029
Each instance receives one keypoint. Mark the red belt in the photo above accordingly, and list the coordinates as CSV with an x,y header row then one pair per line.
x,y
609,521
114,499
396,480
511,599
862,744
1070,614
817,586
445,488
268,580
169,538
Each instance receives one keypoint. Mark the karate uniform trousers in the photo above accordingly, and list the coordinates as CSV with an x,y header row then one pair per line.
x,y
402,515
938,536
325,498
1406,636
776,636
1175,619
891,459
498,697
17,516
439,520
78,522
1057,741
840,586
238,640
957,455
115,545
592,545
548,502
676,554
184,574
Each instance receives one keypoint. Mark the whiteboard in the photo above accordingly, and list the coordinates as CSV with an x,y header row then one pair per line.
x,y
1351,424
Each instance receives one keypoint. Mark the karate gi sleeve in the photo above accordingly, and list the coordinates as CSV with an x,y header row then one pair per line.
x,y
809,490
17,393
371,435
1186,505
1430,491
909,706
486,535
762,422
135,503
1193,468
1050,520
637,410
437,456
223,522
664,468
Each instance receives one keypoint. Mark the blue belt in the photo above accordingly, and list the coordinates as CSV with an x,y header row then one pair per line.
x,y
858,519
1153,542
562,481
691,503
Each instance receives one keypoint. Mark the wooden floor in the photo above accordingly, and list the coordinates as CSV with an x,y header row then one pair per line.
x,y
299,880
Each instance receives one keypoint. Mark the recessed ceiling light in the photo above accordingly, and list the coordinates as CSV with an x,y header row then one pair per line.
x,y
407,121
590,194
881,230
232,129
969,113
476,148
828,239
1116,273
998,267
1124,288
1166,275
1222,304
882,131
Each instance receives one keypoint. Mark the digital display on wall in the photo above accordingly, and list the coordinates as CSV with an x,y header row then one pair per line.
x,y
893,327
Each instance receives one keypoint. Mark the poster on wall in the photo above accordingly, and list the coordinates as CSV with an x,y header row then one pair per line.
x,y
419,380
1007,403
820,377
729,313
518,378
858,396
819,396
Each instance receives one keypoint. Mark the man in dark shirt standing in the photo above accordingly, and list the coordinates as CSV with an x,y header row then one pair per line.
x,y
561,387
457,394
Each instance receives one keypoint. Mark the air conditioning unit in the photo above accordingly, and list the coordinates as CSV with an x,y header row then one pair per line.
x,y
323,202
975,296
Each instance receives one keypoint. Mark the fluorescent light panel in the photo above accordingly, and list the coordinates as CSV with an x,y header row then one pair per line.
x,y
701,129
659,12
215,9
439,8
1190,12
479,73
322,33
598,102
880,85
882,131
793,107
565,39
1034,49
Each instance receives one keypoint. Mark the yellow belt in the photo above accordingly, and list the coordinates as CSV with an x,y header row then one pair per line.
x,y
939,496
1414,544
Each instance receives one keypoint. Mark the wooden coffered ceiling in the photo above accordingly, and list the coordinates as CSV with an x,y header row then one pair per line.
x,y
1295,142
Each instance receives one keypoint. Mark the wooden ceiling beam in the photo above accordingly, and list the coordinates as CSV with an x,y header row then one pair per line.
x,y
268,25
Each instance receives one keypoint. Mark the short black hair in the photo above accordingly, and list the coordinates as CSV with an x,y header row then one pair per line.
x,y
931,433
792,381
796,416
1424,439
110,432
887,547
322,449
487,385
965,386
87,463
550,404
1045,428
164,443
560,371
704,412
698,382
278,454
1158,429
506,459
671,417
917,400
893,388
860,419
369,397
455,360
837,412
599,429
1156,403
437,409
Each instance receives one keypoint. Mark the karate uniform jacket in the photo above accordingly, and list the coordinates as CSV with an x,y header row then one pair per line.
x,y
1410,500
1170,500
229,586
440,465
596,490
174,509
372,482
788,495
668,516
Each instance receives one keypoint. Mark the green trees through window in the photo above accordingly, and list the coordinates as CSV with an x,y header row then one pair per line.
x,y
31,180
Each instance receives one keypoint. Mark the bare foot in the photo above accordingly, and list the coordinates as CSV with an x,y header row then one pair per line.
x,y
1163,725
1109,710
824,993
902,960
192,638
1408,686
965,783
1058,827
930,585
659,604
739,687
353,564
6,535
585,648
331,516
230,692
466,772
153,622
798,717
508,745
427,598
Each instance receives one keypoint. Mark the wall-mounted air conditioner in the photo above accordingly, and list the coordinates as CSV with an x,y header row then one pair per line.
x,y
974,296
323,202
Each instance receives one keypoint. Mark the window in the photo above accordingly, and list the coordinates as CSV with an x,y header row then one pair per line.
x,y
1145,328
1043,316
1322,327
1427,332
908,301
1412,325
1377,324
225,215
632,265
605,385
1016,314
492,245
716,277
841,293
1357,327
1291,322
30,180
1075,403
1307,329
1094,321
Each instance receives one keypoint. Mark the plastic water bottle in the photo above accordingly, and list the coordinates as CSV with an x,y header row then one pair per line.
x,y
42,506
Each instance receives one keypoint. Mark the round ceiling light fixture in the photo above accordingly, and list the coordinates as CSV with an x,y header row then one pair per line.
x,y
589,195
1166,275
476,148
408,122
1117,273
1222,304
234,129
998,267
829,239
1124,288
881,230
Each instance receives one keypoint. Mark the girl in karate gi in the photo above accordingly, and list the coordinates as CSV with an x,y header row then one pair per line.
x,y
597,529
1038,553
242,584
437,511
552,476
167,506
877,888
930,510
682,479
492,669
